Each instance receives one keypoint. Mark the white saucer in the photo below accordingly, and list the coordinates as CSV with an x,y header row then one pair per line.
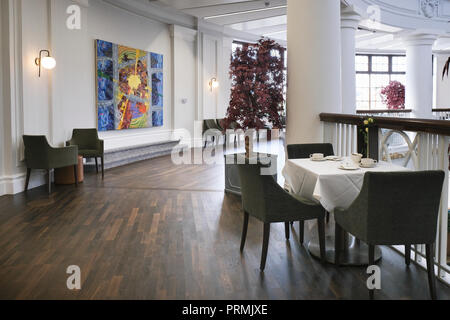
x,y
348,168
333,158
368,167
319,160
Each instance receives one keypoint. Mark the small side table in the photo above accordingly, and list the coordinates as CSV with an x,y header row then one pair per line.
x,y
64,176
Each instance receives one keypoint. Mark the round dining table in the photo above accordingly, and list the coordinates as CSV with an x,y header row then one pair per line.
x,y
326,183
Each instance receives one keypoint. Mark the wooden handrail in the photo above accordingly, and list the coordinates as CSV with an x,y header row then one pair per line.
x,y
384,111
416,125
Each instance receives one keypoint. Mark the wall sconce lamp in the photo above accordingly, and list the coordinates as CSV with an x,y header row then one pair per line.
x,y
213,84
47,62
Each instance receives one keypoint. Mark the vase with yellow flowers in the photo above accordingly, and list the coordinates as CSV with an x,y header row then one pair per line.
x,y
364,130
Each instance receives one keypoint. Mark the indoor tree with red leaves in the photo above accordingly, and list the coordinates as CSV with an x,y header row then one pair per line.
x,y
257,73
394,95
446,68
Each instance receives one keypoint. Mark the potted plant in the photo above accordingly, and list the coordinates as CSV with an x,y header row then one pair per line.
x,y
257,88
446,68
364,131
394,95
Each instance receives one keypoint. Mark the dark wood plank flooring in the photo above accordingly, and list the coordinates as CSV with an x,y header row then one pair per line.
x,y
153,230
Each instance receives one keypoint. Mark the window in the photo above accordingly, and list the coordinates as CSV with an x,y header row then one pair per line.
x,y
236,45
373,73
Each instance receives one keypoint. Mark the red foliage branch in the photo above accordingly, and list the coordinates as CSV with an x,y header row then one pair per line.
x,y
394,95
446,68
257,86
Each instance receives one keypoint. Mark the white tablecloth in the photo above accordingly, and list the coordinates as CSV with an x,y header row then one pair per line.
x,y
325,183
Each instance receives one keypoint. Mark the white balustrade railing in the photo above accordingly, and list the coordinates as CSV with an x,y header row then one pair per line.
x,y
441,114
344,138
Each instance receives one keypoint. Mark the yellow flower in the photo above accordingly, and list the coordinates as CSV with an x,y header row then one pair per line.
x,y
371,120
366,122
367,130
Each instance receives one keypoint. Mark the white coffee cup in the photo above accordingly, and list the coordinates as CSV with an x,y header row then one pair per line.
x,y
367,162
317,156
356,157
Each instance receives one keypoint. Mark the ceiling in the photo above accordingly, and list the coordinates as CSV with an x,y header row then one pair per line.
x,y
268,18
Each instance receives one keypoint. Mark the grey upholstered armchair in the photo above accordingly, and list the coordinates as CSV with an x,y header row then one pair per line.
x,y
89,146
265,200
40,155
303,151
395,209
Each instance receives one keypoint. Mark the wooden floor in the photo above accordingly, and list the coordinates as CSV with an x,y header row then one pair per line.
x,y
154,230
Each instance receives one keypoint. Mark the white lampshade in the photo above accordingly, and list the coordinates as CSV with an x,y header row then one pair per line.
x,y
214,83
48,63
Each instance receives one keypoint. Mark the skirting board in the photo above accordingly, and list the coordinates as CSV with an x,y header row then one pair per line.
x,y
16,184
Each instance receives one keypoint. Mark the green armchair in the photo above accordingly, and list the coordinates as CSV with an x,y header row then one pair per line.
x,y
396,208
265,200
214,130
39,155
89,146
303,151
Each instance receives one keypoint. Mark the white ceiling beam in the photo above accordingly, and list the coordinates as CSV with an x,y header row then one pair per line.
x,y
269,29
245,17
188,4
251,25
233,8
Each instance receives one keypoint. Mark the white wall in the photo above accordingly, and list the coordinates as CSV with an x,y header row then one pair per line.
x,y
184,90
215,61
74,79
442,86
36,91
64,98
224,77
210,65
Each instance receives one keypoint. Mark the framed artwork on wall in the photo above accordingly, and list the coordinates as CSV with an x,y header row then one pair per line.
x,y
130,87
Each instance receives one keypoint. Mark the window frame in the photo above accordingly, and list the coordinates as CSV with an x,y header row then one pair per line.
x,y
370,71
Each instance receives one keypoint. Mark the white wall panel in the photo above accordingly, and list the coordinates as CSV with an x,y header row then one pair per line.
x,y
210,59
184,89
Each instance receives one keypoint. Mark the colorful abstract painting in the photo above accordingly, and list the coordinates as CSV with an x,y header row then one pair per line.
x,y
157,89
157,61
129,87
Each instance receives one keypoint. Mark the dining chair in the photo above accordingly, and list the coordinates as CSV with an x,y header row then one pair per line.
x,y
89,146
211,127
232,126
39,155
303,151
395,208
265,200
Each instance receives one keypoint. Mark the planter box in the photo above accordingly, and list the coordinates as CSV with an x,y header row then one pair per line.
x,y
232,180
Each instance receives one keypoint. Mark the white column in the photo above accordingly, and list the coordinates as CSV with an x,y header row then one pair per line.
x,y
349,25
314,67
419,74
